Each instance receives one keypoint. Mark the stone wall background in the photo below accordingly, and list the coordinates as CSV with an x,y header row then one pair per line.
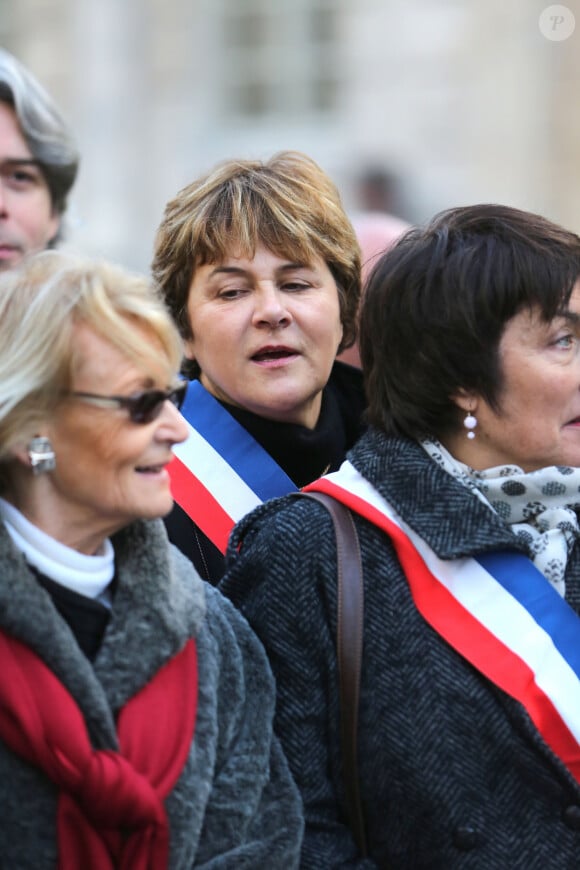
x,y
463,101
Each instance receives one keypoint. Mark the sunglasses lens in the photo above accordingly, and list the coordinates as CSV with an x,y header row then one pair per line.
x,y
147,407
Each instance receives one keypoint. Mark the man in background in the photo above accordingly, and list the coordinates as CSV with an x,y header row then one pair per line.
x,y
38,164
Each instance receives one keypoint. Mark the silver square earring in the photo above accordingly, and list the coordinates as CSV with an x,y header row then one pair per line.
x,y
41,455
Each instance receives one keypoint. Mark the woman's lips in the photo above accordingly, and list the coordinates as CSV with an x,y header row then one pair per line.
x,y
273,356
154,470
8,251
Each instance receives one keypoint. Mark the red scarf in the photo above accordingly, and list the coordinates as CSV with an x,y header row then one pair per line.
x,y
110,809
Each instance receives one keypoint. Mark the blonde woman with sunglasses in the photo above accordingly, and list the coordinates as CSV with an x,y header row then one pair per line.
x,y
135,703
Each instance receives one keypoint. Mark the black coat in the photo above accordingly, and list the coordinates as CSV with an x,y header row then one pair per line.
x,y
304,454
453,772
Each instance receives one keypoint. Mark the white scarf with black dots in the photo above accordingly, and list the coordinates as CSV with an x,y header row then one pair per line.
x,y
540,506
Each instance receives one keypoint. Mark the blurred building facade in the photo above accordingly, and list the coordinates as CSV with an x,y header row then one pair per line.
x,y
459,101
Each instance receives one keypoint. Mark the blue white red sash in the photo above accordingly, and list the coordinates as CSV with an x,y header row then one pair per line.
x,y
220,472
497,610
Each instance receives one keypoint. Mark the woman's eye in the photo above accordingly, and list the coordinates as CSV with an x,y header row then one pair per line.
x,y
292,286
230,293
565,340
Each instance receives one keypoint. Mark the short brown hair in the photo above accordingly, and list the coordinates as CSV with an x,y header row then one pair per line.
x,y
287,204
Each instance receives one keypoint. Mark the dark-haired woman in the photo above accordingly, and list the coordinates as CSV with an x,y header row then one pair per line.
x,y
465,493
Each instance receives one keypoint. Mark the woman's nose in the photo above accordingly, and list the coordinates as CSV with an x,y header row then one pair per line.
x,y
173,426
270,307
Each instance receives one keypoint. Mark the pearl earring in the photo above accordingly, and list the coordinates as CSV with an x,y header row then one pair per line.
x,y
470,423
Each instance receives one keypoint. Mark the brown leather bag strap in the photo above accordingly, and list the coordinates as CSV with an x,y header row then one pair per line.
x,y
349,644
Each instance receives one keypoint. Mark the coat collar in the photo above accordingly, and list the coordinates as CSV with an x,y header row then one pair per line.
x,y
443,512
159,603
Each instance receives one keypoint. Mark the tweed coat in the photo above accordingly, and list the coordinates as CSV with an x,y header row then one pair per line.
x,y
453,773
234,805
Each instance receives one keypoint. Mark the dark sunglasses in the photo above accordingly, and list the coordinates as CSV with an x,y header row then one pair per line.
x,y
143,407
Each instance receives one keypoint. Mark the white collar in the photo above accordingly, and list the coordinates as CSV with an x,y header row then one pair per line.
x,y
88,575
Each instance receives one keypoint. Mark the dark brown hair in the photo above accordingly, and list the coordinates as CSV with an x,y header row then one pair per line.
x,y
436,305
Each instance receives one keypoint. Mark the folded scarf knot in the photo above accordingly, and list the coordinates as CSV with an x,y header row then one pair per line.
x,y
110,809
113,794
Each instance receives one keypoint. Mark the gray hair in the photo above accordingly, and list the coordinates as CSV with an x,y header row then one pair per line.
x,y
48,136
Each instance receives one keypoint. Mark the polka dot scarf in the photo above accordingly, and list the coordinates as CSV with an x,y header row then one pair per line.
x,y
540,506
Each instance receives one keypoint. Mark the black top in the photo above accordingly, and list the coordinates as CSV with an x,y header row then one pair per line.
x,y
86,617
304,454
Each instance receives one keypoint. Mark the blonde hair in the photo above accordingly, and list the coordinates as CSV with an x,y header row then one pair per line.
x,y
288,204
41,302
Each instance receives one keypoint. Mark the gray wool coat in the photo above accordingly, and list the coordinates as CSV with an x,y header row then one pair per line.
x,y
234,805
453,773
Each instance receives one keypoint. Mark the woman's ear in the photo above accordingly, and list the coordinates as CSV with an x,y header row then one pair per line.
x,y
465,400
188,351
340,337
20,454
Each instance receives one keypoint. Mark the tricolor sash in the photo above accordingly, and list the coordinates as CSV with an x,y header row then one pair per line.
x,y
497,610
220,472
